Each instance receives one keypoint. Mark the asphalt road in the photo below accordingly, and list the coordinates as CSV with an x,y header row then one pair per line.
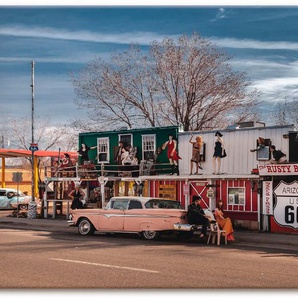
x,y
51,259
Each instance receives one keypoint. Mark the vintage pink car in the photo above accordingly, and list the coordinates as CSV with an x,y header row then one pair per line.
x,y
145,216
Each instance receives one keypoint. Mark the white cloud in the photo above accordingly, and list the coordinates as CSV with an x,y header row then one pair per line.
x,y
143,38
221,14
82,57
273,85
254,44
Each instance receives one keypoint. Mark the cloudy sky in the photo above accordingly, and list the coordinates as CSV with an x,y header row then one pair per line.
x,y
262,40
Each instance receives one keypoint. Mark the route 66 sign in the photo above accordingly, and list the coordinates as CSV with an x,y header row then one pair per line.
x,y
286,208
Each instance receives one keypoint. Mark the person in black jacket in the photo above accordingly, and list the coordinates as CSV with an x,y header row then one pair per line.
x,y
277,156
197,216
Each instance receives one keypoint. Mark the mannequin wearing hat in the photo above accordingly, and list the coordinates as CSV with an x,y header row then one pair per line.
x,y
218,152
196,215
77,195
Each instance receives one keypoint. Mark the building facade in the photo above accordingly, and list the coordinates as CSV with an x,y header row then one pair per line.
x,y
257,194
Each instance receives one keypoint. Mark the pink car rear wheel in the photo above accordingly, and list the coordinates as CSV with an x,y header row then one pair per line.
x,y
150,235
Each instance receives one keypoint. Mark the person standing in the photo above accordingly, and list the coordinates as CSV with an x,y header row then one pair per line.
x,y
77,196
196,157
197,216
172,154
219,152
224,223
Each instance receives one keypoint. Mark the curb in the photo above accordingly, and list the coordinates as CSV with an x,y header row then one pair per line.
x,y
247,237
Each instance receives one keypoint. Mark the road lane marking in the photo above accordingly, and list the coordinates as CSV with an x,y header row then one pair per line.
x,y
105,265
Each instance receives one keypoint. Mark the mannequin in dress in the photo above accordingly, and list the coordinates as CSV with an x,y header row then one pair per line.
x,y
173,156
196,158
218,152
83,152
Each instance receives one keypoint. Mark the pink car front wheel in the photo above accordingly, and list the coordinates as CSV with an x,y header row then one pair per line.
x,y
85,227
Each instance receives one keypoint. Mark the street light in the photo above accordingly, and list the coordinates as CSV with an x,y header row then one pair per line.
x,y
32,204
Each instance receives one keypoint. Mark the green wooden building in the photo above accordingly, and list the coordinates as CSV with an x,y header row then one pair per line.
x,y
144,145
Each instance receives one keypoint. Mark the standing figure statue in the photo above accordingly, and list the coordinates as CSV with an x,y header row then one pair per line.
x,y
219,152
196,157
172,153
83,152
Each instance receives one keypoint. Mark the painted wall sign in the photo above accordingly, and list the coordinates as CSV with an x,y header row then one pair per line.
x,y
267,197
278,169
286,208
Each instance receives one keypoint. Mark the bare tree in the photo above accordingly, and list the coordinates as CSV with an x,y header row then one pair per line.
x,y
48,137
286,112
188,82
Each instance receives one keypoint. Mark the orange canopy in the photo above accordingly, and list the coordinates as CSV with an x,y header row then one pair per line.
x,y
39,153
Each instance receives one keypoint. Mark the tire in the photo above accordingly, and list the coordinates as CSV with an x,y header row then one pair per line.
x,y
150,235
85,227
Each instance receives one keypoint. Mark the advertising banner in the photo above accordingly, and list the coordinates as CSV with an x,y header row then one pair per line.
x,y
286,208
267,197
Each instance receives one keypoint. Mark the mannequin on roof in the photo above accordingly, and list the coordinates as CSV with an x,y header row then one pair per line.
x,y
219,152
83,152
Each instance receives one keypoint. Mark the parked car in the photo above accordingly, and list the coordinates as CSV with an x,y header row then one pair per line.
x,y
146,216
10,198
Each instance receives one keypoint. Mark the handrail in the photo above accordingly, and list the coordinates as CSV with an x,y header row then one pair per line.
x,y
97,170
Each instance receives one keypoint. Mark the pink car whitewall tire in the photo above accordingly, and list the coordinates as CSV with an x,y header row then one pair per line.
x,y
150,235
85,227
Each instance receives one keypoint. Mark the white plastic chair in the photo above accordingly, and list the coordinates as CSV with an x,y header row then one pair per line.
x,y
215,231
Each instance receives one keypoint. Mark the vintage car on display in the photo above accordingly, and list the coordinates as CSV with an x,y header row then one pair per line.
x,y
146,216
11,198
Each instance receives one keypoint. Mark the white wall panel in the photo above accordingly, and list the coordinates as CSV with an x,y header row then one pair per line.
x,y
238,143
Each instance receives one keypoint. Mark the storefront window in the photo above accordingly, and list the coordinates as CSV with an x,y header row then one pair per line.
x,y
236,196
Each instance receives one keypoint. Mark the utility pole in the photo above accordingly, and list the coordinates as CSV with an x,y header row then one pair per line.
x,y
32,205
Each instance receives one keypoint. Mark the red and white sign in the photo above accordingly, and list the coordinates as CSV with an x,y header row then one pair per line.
x,y
278,170
286,207
267,198
186,189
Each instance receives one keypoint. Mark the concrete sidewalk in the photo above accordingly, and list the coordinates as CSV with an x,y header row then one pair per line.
x,y
241,236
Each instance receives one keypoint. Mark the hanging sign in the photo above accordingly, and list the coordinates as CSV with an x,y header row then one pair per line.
x,y
267,198
186,189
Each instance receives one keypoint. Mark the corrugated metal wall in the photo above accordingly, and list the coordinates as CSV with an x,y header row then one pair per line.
x,y
238,143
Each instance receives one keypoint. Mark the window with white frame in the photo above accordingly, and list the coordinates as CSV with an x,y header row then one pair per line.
x,y
127,139
148,147
103,150
236,196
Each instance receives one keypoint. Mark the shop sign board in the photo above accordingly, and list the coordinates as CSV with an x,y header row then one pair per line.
x,y
186,189
278,169
286,208
267,198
